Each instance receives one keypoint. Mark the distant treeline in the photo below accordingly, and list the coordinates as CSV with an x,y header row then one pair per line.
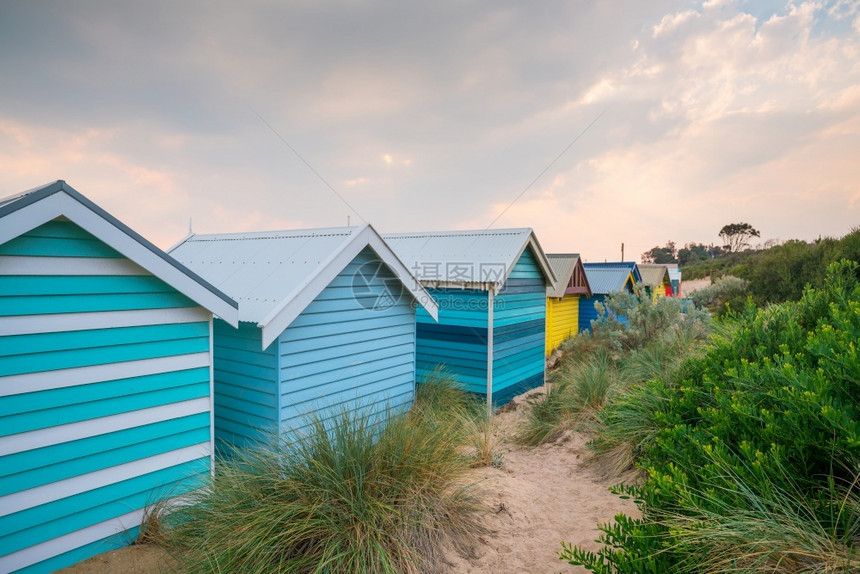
x,y
776,273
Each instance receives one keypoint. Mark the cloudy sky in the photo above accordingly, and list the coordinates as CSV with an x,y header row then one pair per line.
x,y
595,123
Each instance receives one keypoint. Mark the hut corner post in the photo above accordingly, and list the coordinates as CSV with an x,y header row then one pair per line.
x,y
490,351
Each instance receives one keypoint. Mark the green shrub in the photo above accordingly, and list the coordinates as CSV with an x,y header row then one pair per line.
x,y
599,367
630,321
782,272
349,496
726,291
767,421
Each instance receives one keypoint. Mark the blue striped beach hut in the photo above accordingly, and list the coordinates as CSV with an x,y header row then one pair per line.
x,y
105,379
605,278
491,289
327,320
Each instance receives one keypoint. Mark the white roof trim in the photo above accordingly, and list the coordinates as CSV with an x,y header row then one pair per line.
x,y
559,286
297,301
63,203
540,256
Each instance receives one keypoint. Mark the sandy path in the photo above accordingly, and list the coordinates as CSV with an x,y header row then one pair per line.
x,y
540,497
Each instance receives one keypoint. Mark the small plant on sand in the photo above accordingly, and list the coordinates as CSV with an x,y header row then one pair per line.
x,y
152,524
350,495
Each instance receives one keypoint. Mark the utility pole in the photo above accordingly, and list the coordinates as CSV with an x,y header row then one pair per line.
x,y
622,252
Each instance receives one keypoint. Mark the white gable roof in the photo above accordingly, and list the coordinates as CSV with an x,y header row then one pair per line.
x,y
275,275
26,211
481,259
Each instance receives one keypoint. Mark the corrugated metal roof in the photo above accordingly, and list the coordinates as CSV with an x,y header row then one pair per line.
x,y
475,258
605,280
653,273
629,265
274,275
259,270
562,266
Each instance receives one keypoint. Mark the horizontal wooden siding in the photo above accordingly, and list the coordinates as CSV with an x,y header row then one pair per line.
x,y
562,320
519,331
458,342
353,346
246,388
104,397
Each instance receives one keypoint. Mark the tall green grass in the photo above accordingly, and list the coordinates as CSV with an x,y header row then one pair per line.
x,y
349,496
779,530
600,368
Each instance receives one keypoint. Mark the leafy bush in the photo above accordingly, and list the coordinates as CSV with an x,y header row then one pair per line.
x,y
645,320
753,452
726,292
347,497
597,367
782,272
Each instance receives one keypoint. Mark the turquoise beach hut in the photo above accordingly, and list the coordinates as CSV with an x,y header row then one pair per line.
x,y
327,321
105,379
605,278
491,289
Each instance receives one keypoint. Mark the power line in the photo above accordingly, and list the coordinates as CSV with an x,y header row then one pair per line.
x,y
309,166
552,163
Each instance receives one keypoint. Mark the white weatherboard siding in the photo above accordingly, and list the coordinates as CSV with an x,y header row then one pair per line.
x,y
105,397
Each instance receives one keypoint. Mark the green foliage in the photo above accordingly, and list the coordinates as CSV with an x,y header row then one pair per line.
x,y
752,451
667,254
782,272
600,366
693,252
629,321
628,427
629,545
725,293
349,496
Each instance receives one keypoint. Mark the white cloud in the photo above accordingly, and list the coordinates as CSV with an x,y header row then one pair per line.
x,y
672,22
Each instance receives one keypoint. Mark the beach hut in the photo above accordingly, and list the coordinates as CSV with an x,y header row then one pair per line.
x,y
105,379
327,321
562,298
605,278
491,289
655,279
674,278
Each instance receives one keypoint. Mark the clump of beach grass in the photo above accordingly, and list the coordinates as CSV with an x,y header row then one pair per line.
x,y
576,394
349,495
600,367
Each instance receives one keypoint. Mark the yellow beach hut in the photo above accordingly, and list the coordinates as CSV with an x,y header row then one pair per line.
x,y
655,278
562,298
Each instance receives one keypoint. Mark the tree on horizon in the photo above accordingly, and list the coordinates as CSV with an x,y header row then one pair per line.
x,y
736,236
